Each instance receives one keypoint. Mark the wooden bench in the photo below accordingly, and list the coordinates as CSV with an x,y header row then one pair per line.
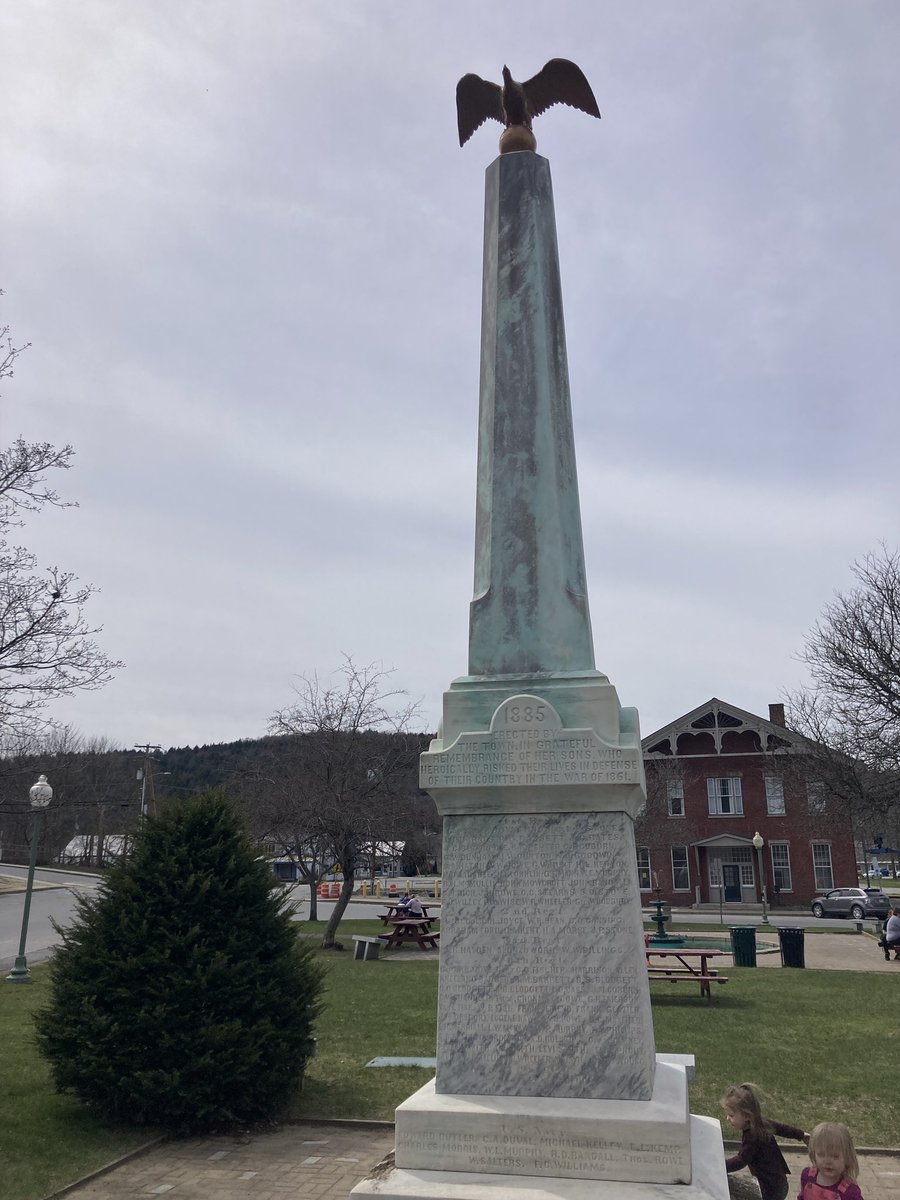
x,y
366,947
678,975
425,940
684,962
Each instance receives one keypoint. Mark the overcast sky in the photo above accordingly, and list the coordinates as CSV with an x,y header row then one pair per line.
x,y
246,247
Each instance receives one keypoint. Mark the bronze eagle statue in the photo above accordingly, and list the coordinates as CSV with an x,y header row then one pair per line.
x,y
515,104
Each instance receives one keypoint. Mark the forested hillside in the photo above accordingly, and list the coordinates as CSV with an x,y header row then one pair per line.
x,y
286,785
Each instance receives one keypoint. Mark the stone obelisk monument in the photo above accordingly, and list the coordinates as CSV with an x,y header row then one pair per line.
x,y
547,1077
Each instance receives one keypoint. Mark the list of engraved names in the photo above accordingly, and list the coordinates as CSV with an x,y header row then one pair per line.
x,y
529,962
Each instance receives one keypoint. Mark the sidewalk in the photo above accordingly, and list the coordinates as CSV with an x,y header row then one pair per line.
x,y
319,1162
831,952
323,1162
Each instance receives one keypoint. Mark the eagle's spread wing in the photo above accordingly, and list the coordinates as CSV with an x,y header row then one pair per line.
x,y
476,101
560,82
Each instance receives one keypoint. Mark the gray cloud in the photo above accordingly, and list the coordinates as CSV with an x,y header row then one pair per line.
x,y
247,250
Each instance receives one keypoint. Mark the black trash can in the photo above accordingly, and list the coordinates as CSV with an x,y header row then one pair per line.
x,y
743,945
791,942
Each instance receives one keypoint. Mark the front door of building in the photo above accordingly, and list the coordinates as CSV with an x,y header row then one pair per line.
x,y
731,877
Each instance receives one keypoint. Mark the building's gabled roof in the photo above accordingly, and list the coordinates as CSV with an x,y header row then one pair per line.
x,y
717,717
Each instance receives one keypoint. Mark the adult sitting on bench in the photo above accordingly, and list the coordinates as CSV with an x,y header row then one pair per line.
x,y
410,906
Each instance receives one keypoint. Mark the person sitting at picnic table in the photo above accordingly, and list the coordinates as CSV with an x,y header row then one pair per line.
x,y
411,906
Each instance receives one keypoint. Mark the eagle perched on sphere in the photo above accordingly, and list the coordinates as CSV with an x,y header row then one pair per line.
x,y
516,104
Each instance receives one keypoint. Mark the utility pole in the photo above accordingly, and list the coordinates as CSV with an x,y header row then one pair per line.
x,y
145,775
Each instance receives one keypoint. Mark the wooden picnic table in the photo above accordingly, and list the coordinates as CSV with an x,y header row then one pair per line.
x,y
688,964
395,911
410,931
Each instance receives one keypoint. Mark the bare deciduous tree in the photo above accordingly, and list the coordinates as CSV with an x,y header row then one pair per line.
x,y
46,642
355,768
851,714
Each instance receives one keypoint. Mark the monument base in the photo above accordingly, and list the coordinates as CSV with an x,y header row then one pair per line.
x,y
558,1137
512,1147
708,1180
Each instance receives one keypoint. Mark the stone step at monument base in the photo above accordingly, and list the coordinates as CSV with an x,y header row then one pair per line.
x,y
708,1180
553,1136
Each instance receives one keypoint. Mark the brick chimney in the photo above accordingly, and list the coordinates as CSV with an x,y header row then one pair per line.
x,y
776,714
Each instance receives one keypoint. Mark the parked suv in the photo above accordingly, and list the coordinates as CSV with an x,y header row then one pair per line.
x,y
853,902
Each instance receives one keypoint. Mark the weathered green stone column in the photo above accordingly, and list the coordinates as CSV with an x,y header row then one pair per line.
x,y
530,611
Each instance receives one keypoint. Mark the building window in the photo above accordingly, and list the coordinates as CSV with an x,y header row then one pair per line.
x,y
675,797
681,875
724,797
781,866
822,866
815,797
643,865
743,856
774,796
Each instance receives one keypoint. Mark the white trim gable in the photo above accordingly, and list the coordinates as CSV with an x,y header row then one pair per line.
x,y
717,718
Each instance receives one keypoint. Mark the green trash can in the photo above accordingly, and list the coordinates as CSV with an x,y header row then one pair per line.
x,y
791,942
743,945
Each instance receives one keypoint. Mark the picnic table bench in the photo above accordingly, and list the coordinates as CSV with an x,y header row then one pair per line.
x,y
410,931
688,964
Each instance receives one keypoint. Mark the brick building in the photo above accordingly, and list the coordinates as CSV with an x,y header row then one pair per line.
x,y
716,777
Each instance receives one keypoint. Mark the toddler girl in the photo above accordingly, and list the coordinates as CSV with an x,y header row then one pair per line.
x,y
759,1150
833,1173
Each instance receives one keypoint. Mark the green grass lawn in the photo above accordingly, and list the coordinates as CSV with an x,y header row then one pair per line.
x,y
823,1045
385,1007
47,1140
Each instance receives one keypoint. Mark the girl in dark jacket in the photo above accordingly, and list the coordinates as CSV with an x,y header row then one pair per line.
x,y
759,1150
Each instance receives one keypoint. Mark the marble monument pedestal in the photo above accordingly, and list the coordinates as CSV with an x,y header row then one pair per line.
x,y
503,1147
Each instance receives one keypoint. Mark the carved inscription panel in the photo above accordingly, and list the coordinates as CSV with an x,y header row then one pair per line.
x,y
515,1150
528,746
543,988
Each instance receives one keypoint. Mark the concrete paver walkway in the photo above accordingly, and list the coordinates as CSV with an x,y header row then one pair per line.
x,y
832,952
323,1162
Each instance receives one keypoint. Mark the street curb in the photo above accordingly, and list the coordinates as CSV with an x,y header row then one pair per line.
x,y
340,1122
54,869
107,1167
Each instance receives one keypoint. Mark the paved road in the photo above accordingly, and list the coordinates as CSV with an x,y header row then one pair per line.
x,y
53,897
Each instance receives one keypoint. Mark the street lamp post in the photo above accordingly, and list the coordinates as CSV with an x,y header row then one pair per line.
x,y
39,794
758,843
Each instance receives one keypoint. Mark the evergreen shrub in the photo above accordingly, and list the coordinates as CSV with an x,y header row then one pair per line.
x,y
181,995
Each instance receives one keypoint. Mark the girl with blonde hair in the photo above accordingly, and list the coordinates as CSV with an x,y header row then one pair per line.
x,y
835,1168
